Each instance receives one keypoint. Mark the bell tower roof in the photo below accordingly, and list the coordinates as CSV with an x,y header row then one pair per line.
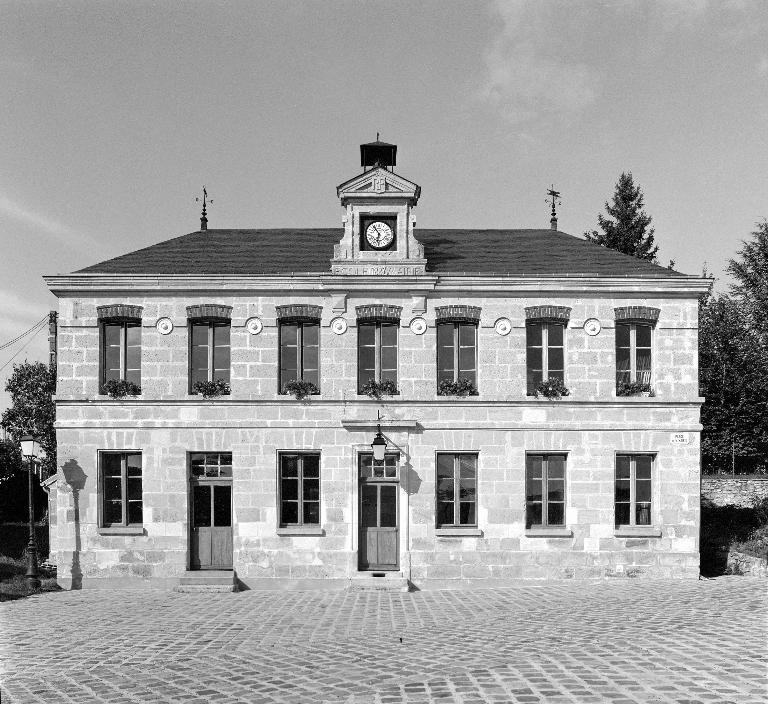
x,y
378,153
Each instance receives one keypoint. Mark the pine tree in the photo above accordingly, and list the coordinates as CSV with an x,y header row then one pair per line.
x,y
751,274
628,229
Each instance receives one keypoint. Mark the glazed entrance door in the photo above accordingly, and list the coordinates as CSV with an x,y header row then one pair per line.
x,y
379,534
211,511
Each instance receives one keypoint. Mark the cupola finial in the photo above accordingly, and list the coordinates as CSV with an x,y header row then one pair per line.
x,y
554,198
203,215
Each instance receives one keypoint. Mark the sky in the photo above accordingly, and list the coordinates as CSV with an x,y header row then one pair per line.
x,y
115,114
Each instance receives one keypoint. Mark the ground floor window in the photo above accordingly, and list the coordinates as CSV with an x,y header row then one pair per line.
x,y
299,487
456,488
633,490
121,489
544,490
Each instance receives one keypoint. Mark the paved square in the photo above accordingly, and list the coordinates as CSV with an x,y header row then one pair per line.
x,y
611,641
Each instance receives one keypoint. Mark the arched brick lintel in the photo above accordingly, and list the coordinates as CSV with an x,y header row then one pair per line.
x,y
119,312
457,314
209,311
548,314
298,313
378,312
637,314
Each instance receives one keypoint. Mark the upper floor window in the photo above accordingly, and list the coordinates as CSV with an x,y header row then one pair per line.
x,y
633,490
456,346
209,343
377,333
299,486
545,344
544,490
634,330
120,343
121,497
456,487
299,330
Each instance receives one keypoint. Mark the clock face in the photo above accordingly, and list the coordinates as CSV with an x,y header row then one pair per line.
x,y
379,235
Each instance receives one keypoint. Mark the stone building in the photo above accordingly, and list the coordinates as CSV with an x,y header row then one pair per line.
x,y
537,396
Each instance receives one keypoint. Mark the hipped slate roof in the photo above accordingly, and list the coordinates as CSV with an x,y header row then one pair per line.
x,y
501,252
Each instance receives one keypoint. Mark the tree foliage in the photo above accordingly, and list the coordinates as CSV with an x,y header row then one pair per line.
x,y
733,364
10,459
32,409
627,228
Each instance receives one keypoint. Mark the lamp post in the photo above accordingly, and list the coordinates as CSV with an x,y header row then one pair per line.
x,y
31,450
379,445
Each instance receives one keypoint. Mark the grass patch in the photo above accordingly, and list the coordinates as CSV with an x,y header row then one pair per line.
x,y
756,543
13,583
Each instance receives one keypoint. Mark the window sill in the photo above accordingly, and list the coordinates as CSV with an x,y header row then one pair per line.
x,y
458,532
549,532
301,530
637,532
121,530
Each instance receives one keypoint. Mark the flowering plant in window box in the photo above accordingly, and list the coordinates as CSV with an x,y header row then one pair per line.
x,y
120,388
377,389
551,388
211,389
300,388
461,387
634,388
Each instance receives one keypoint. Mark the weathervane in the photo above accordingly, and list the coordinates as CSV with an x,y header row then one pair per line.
x,y
203,217
553,198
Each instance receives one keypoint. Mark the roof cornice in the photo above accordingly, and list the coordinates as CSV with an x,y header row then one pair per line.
x,y
97,283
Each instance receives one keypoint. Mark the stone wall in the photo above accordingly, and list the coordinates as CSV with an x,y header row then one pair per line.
x,y
722,489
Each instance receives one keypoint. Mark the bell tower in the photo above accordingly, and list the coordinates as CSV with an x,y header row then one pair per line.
x,y
378,219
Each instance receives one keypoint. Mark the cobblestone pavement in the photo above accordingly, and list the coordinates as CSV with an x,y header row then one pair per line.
x,y
620,642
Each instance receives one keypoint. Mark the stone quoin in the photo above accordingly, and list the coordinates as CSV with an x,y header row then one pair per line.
x,y
248,450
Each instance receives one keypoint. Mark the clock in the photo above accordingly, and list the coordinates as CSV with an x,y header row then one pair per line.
x,y
379,234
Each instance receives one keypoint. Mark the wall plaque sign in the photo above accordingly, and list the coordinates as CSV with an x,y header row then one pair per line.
x,y
503,326
418,326
592,327
680,439
339,326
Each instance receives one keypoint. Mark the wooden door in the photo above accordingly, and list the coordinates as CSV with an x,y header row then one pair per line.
x,y
379,534
211,526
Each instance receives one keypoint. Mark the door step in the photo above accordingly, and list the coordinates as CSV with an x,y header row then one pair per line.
x,y
196,581
379,582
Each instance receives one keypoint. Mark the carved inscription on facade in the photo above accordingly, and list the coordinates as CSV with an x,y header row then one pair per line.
x,y
378,269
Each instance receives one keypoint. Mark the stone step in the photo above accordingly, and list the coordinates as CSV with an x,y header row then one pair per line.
x,y
379,582
196,581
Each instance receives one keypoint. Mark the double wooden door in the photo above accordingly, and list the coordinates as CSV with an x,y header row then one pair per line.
x,y
211,525
379,532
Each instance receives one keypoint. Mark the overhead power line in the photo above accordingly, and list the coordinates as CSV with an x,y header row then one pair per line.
x,y
24,334
40,326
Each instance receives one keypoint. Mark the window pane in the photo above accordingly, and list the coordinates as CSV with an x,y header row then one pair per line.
x,y
368,506
556,514
622,490
289,512
643,466
622,514
113,489
134,464
310,358
366,334
311,512
388,510
388,358
533,515
221,363
622,466
134,489
222,505
113,512
556,490
388,335
135,512
467,334
622,335
289,489
367,359
444,513
110,464
555,359
200,357
643,514
445,334
221,335
533,335
467,361
556,467
533,465
643,335
466,513
534,378
289,465
201,506
555,334
311,334
643,491
467,489
112,334
623,363
534,490
311,465
311,489
199,334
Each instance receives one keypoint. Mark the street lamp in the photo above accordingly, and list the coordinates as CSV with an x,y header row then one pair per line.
x,y
31,450
379,445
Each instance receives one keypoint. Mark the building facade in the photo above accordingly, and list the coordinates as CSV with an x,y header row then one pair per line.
x,y
537,396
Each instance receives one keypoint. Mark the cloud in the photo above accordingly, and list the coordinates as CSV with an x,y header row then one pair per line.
x,y
44,224
526,77
762,66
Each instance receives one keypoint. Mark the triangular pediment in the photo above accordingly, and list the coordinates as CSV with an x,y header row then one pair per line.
x,y
378,182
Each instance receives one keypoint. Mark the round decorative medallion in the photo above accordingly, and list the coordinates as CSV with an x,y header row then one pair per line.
x,y
254,326
339,326
503,326
418,326
164,326
592,326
